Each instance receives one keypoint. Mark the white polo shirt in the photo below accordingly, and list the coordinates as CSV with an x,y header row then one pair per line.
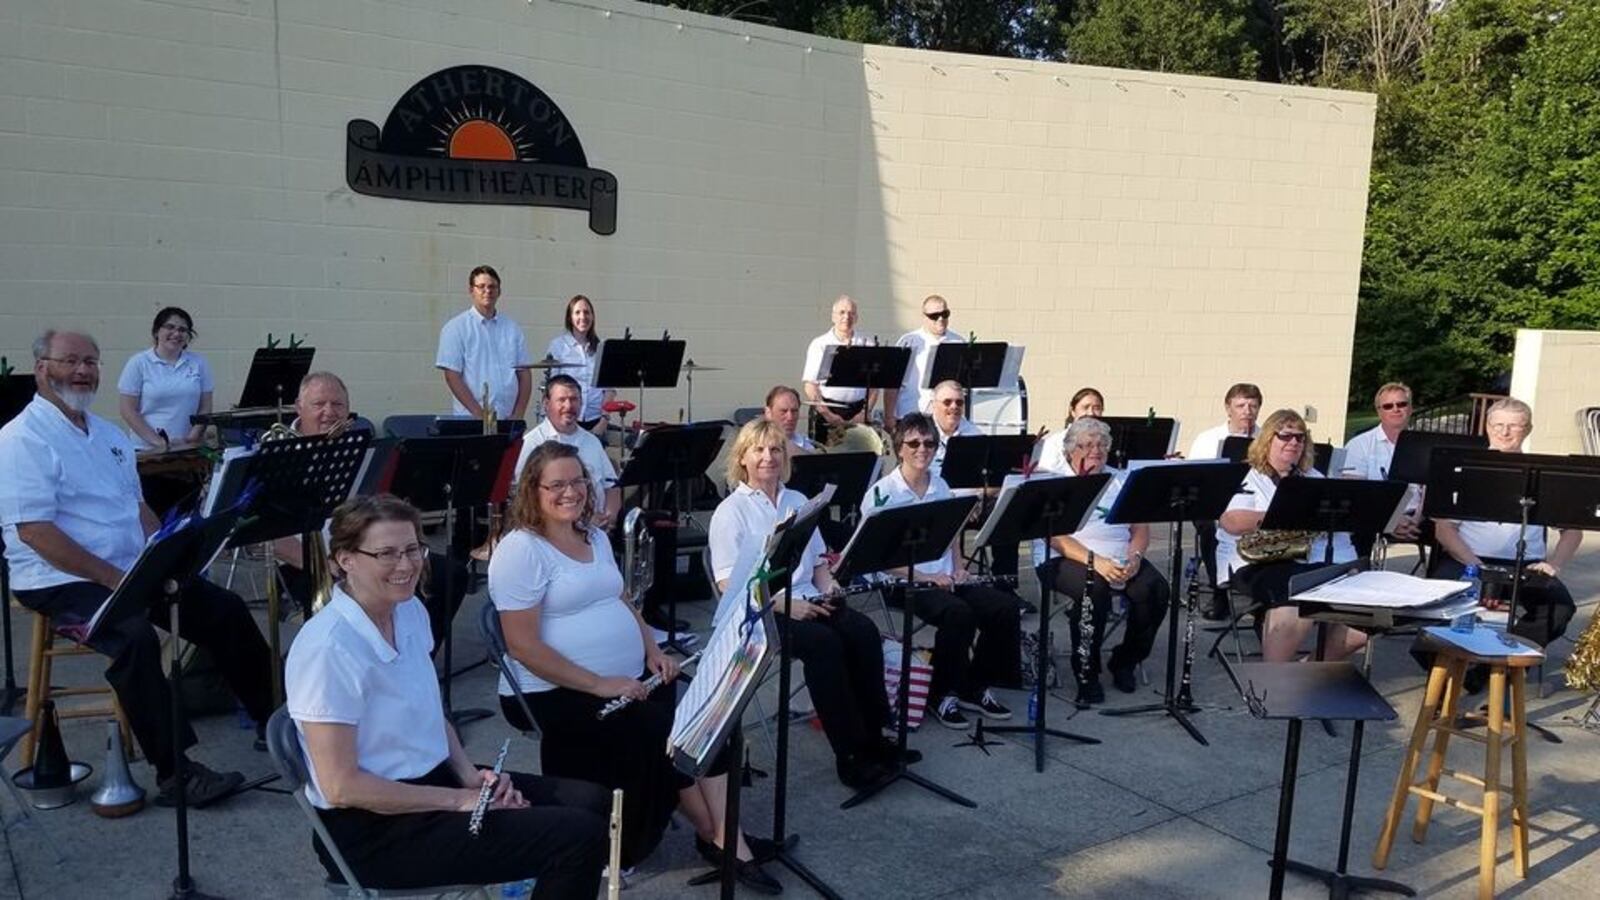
x,y
484,350
803,442
913,396
1498,540
1259,489
596,464
341,671
894,491
748,515
964,428
1099,537
169,393
1369,455
87,484
568,349
1208,444
813,367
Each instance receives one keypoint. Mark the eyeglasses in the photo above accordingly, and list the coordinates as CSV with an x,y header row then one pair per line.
x,y
925,444
177,329
1395,404
1091,445
561,487
1508,427
1291,437
72,362
957,403
391,556
486,287
936,316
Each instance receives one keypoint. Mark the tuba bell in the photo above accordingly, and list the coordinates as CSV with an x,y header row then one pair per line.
x,y
638,555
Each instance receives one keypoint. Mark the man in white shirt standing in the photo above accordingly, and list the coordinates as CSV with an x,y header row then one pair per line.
x,y
482,346
912,396
782,407
1243,404
1370,455
563,401
836,407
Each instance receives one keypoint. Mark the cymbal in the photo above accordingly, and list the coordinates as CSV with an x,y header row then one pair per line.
x,y
692,366
548,363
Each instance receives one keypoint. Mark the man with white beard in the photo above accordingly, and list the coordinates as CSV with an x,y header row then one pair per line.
x,y
74,523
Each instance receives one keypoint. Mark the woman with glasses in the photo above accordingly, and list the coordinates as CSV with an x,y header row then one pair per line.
x,y
839,647
1547,604
1052,454
1281,450
578,346
577,643
165,385
1115,553
389,777
942,597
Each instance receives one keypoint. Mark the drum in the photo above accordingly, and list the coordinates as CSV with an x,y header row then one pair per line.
x,y
859,439
173,479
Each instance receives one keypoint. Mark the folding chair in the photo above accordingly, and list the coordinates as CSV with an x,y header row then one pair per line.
x,y
284,744
500,658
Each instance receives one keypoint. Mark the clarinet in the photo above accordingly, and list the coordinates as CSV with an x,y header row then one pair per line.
x,y
475,824
650,684
1191,599
1086,623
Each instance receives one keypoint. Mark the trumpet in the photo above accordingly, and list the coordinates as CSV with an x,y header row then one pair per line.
x,y
650,684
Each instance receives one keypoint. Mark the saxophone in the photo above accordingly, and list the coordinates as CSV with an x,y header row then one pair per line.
x,y
1269,546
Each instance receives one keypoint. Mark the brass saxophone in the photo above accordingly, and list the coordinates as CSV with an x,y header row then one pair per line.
x,y
1269,546
1583,666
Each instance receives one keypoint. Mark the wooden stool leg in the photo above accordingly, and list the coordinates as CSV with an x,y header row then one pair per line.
x,y
38,684
1519,773
1491,782
1408,766
1441,743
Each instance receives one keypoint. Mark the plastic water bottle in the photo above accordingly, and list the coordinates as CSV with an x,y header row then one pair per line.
x,y
1474,592
1033,705
516,889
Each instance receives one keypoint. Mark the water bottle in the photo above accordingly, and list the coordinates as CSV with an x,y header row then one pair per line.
x,y
1474,592
1033,706
516,889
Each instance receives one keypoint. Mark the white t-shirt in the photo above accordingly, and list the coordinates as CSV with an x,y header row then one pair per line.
x,y
87,484
582,614
892,488
964,428
913,396
813,368
1259,489
341,671
1498,540
169,393
1208,444
597,465
1052,452
747,514
484,350
568,349
1100,538
803,442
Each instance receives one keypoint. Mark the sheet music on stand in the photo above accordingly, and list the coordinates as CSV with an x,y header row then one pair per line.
x,y
730,669
1378,588
1008,494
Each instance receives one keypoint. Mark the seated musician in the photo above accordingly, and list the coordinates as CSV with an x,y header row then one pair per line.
x,y
563,403
1052,453
577,643
840,648
1282,450
782,406
949,412
1242,403
74,524
836,407
322,406
393,786
945,598
1547,604
1370,455
1116,553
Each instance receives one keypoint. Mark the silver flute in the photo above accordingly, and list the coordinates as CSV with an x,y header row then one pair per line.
x,y
475,824
650,684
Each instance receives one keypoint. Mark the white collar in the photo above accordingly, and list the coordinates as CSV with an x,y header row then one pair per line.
x,y
483,318
357,618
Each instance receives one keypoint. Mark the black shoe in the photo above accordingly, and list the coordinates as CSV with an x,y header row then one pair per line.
x,y
856,771
202,788
1029,608
261,737
761,849
662,623
949,714
1216,613
751,876
1476,679
1125,680
889,753
1090,693
986,705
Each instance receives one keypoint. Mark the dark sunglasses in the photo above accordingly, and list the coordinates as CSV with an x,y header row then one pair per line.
x,y
1396,404
1291,437
925,444
939,315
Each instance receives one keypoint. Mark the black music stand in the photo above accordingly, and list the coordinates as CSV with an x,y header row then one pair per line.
x,y
672,454
851,475
172,559
465,426
1235,446
1040,509
632,363
983,461
16,392
860,366
1140,437
1297,691
1413,453
1175,494
889,537
470,465
1333,505
275,373
971,364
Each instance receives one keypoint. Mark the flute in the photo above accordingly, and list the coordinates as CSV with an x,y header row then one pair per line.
x,y
614,872
475,824
650,684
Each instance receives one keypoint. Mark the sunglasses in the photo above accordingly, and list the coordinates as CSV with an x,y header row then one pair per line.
x,y
957,403
925,444
945,315
1395,404
1291,437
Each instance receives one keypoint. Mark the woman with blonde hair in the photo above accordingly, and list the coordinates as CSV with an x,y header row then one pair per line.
x,y
1282,449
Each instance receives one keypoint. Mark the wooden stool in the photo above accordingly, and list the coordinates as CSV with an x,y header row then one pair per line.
x,y
1438,715
44,648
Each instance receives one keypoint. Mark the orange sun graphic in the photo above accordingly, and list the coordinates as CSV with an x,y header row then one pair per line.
x,y
468,134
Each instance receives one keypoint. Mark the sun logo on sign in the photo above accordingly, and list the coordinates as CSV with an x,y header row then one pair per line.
x,y
468,134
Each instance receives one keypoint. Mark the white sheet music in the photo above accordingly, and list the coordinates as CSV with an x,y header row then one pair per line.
x,y
727,667
1388,590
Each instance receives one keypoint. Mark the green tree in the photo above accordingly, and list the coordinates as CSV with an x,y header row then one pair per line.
x,y
1198,37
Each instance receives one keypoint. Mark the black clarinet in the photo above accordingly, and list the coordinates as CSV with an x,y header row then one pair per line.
x,y
1086,623
1191,600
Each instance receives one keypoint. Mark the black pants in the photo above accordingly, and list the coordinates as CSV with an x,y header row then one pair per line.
x,y
1148,595
209,616
820,426
626,750
965,611
843,658
1545,603
1003,559
1206,531
441,604
560,839
1267,584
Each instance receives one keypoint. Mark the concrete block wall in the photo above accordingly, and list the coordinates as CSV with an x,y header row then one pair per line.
x,y
1554,372
1157,236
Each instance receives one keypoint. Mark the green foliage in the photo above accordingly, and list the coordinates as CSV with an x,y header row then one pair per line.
x,y
1197,37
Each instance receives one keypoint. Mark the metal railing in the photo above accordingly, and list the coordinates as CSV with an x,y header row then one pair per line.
x,y
1589,428
1462,415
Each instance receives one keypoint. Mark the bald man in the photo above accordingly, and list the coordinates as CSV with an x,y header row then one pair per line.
x,y
841,407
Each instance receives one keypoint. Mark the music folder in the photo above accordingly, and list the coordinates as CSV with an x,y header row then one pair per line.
x,y
860,366
178,552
